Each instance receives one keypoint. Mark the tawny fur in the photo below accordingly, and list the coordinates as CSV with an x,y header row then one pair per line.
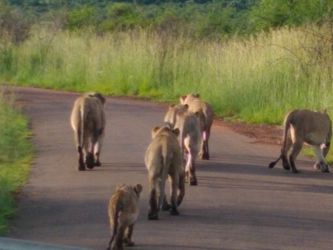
x,y
188,123
88,123
163,159
123,212
305,126
197,105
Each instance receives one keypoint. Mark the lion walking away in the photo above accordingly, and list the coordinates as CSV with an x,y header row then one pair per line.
x,y
123,212
88,123
195,105
305,126
163,159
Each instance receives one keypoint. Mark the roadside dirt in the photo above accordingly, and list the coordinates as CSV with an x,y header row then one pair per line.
x,y
262,133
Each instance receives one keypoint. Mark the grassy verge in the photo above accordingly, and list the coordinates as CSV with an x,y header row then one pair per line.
x,y
15,158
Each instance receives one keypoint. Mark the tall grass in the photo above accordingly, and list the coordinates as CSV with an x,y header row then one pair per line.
x,y
256,79
15,157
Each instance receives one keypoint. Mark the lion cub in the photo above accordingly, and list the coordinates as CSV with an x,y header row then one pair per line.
x,y
123,212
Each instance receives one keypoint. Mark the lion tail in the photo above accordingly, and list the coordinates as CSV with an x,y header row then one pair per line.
x,y
115,222
286,127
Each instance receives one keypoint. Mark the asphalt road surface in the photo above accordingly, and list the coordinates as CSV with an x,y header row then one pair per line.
x,y
239,203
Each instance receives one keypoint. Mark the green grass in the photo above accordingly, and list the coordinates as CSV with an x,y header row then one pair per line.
x,y
256,80
15,158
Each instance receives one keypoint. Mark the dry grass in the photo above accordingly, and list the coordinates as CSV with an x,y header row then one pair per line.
x,y
256,79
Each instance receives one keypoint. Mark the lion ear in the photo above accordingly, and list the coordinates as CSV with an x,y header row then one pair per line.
x,y
172,106
120,186
168,125
99,96
154,131
102,98
197,95
138,188
176,131
182,99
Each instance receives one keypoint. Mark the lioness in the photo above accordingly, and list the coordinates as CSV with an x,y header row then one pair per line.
x,y
313,128
197,105
123,212
188,123
88,123
163,159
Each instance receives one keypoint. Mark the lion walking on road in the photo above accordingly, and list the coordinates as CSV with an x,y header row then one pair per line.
x,y
163,159
123,212
88,123
305,126
195,105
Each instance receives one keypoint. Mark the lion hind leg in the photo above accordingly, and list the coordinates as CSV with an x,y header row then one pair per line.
x,y
174,190
128,236
320,163
297,147
284,153
153,207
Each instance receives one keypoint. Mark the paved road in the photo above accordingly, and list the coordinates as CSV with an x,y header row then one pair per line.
x,y
239,203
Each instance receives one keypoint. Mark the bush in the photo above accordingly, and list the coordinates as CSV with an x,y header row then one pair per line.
x,y
277,13
13,23
82,17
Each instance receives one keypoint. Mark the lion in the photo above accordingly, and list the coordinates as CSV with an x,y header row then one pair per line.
x,y
88,123
188,123
123,212
305,126
197,105
162,159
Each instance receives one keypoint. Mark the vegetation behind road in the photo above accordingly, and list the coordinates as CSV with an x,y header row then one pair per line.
x,y
252,59
256,79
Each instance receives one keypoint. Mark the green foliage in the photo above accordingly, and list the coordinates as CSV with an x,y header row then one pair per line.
x,y
186,17
197,19
277,13
6,61
13,23
81,17
219,21
121,16
15,158
255,80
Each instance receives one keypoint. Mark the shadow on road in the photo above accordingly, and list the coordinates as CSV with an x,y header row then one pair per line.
x,y
122,167
256,217
229,167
